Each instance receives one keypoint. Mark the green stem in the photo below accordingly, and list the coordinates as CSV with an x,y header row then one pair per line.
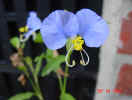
x,y
38,91
68,46
35,84
60,82
65,79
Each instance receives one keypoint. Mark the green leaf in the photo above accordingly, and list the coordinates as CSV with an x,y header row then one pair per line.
x,y
49,53
22,96
38,38
53,63
15,42
66,96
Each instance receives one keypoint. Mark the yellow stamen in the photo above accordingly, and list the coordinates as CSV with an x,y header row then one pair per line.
x,y
78,43
23,29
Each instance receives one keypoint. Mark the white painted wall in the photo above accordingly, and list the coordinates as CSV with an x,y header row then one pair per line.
x,y
113,12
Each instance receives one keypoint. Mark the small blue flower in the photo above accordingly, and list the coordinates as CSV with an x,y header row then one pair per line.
x,y
33,24
61,25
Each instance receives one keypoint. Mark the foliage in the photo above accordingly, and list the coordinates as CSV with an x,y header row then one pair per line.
x,y
38,38
15,42
66,96
22,96
53,63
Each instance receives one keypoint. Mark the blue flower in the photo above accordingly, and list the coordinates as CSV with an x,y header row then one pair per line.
x,y
33,24
61,25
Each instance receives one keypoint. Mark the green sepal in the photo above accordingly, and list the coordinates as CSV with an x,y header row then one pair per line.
x,y
28,61
22,68
38,38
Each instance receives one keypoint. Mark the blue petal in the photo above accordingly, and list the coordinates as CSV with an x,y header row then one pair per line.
x,y
33,22
52,32
93,28
69,23
96,36
57,27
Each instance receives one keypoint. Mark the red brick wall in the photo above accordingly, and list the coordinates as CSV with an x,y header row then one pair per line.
x,y
124,81
126,35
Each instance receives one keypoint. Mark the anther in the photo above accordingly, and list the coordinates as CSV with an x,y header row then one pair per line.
x,y
78,43
23,29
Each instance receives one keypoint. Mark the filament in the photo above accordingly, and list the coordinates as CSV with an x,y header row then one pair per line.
x,y
66,59
34,35
83,61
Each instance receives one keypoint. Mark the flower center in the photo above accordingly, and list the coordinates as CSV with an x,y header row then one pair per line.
x,y
78,43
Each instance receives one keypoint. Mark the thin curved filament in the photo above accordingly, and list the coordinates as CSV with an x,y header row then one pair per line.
x,y
66,59
83,61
